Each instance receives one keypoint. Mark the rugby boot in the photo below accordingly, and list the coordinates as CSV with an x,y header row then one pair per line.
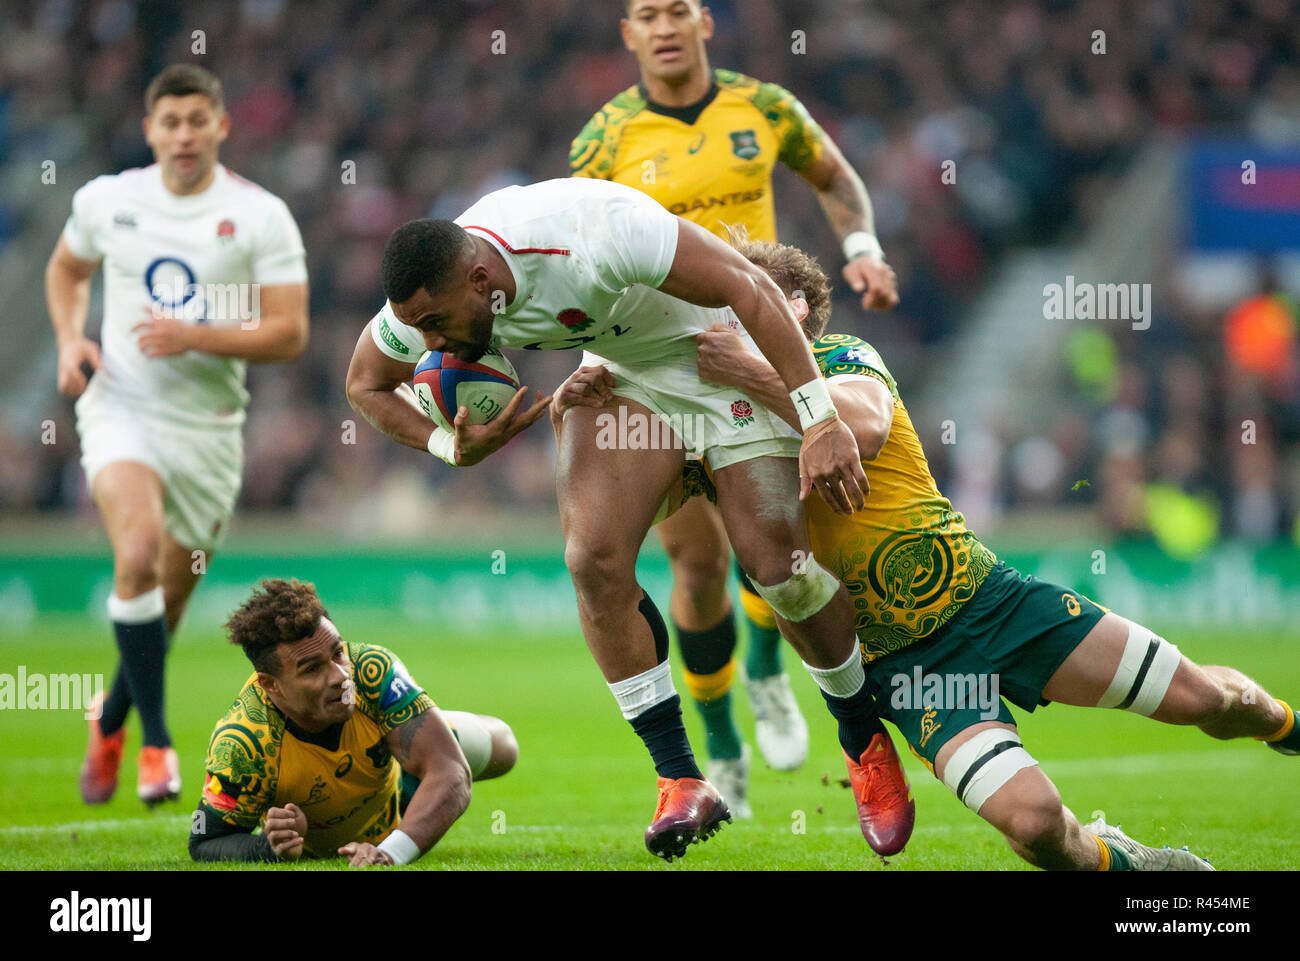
x,y
689,810
779,728
731,777
98,779
1143,857
159,775
886,811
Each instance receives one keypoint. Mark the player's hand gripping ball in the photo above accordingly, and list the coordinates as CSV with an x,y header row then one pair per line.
x,y
444,384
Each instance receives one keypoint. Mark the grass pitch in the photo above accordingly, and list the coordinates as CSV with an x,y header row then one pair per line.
x,y
583,790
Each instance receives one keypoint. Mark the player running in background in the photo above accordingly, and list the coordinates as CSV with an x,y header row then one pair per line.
x,y
190,253
576,263
704,143
332,748
941,620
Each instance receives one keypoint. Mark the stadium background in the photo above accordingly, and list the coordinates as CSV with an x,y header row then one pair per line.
x,y
1156,469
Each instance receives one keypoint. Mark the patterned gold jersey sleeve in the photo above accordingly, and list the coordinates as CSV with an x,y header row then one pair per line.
x,y
845,354
386,692
593,151
798,134
243,760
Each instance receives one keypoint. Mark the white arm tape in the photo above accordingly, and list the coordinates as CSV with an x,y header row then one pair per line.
x,y
442,444
812,402
862,244
400,847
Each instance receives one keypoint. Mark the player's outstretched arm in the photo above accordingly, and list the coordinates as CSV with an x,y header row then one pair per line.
x,y
866,406
847,206
277,334
425,747
67,297
710,273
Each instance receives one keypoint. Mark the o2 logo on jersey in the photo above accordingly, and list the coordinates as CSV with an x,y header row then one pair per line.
x,y
173,288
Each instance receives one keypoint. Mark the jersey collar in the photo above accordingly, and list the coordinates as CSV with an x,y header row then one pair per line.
x,y
688,114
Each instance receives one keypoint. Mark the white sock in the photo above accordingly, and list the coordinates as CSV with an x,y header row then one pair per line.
x,y
636,695
843,681
142,609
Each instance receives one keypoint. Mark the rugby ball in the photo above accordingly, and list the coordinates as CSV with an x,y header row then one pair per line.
x,y
444,384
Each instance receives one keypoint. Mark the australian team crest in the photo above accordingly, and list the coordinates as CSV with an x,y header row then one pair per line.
x,y
226,231
744,144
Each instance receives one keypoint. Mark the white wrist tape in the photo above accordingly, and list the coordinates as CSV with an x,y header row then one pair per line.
x,y
400,848
812,402
862,244
442,444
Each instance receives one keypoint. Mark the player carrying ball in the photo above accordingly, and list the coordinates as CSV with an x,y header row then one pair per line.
x,y
705,144
332,748
931,600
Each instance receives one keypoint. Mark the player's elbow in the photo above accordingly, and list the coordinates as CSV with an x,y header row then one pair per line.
x,y
871,438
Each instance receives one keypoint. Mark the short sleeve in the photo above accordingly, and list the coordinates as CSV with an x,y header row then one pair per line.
x,y
843,354
386,692
798,134
278,254
394,338
239,776
638,243
80,233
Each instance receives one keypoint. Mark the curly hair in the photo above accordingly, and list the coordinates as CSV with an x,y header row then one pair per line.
x,y
284,612
795,272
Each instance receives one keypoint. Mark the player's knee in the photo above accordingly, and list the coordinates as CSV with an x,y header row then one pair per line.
x,y
505,750
599,566
135,562
1038,826
701,572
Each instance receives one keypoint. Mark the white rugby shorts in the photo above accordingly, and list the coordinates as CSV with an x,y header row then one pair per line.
x,y
201,467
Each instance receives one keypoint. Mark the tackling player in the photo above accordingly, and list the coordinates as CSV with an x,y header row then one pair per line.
x,y
332,748
704,144
203,272
575,263
934,603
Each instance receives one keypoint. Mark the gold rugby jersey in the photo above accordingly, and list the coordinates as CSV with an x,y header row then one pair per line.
x,y
907,559
710,162
344,778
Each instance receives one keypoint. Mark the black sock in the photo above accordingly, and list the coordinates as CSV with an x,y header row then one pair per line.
x,y
858,722
116,704
144,651
664,735
708,651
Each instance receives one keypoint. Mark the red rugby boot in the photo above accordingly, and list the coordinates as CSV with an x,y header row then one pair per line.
x,y
886,811
159,775
98,779
689,810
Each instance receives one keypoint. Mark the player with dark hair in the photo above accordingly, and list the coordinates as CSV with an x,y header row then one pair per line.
x,y
704,143
933,603
587,263
332,748
203,272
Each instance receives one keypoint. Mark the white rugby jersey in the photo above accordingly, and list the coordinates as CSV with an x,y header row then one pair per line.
x,y
198,258
586,256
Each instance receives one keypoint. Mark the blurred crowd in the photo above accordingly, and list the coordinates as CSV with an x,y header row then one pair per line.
x,y
1037,119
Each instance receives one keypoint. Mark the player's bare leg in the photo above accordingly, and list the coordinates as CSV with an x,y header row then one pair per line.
x,y
181,569
989,770
129,496
608,498
766,525
1122,664
705,625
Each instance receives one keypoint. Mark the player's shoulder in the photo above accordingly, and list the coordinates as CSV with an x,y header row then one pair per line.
x,y
847,354
384,685
762,94
250,195
593,149
248,734
118,187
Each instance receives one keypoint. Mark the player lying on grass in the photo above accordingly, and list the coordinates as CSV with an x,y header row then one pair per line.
x,y
574,264
332,748
933,601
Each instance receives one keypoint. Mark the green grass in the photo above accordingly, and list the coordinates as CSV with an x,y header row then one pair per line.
x,y
584,788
